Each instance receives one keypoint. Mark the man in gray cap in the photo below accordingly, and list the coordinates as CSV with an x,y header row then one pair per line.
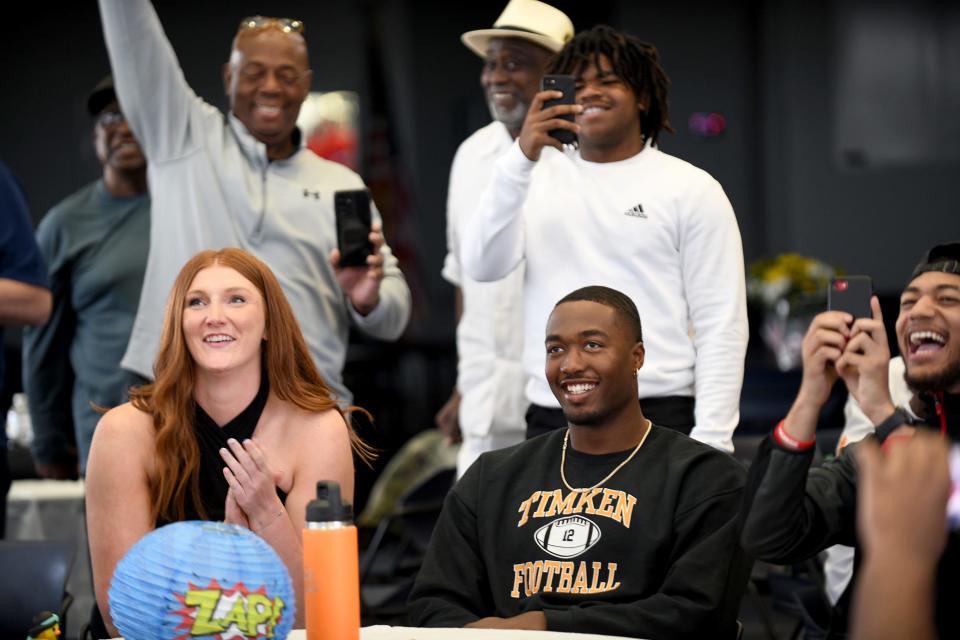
x,y
793,512
486,408
95,245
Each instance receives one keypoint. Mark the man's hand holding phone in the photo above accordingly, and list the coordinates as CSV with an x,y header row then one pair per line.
x,y
361,284
822,346
541,120
865,363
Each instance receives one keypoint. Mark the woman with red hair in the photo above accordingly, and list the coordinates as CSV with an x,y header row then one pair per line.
x,y
238,425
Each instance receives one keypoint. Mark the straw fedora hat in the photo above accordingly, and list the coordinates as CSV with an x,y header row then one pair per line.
x,y
525,19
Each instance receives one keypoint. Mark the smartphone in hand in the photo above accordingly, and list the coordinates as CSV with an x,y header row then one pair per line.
x,y
566,85
352,210
851,294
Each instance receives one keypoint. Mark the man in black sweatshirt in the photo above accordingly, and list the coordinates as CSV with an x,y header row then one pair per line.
x,y
613,525
793,512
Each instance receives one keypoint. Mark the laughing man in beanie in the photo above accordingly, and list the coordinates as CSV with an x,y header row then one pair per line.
x,y
792,511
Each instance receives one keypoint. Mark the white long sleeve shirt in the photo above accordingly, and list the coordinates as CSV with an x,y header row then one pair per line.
x,y
489,335
653,227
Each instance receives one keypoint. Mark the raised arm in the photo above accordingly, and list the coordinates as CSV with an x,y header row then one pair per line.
x,y
792,512
150,86
713,279
492,240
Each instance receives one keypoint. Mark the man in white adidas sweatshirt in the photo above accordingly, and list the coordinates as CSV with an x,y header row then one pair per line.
x,y
619,212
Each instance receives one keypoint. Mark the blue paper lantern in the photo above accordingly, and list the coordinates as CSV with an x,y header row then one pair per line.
x,y
201,580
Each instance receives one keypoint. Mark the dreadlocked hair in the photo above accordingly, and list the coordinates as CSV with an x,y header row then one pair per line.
x,y
636,62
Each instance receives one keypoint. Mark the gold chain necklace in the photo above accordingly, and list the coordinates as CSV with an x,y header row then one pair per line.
x,y
563,459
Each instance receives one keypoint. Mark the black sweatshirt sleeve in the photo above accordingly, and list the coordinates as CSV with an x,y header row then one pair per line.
x,y
792,512
452,588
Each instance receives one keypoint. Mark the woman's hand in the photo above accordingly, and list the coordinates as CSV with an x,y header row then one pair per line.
x,y
252,483
233,514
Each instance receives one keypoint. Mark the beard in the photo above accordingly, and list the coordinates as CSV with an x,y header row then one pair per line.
x,y
942,380
511,118
587,418
597,415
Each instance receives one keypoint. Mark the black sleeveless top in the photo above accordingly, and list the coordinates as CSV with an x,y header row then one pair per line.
x,y
211,437
213,486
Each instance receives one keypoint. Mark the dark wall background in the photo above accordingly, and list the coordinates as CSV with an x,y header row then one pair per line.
x,y
771,67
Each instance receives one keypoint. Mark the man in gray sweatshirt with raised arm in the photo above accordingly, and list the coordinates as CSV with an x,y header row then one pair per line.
x,y
245,180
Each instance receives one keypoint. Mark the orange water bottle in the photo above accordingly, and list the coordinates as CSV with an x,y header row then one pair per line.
x,y
331,573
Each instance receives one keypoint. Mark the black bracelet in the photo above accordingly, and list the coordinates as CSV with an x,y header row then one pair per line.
x,y
898,418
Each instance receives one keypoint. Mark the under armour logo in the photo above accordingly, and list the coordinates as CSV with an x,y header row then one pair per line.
x,y
636,211
307,193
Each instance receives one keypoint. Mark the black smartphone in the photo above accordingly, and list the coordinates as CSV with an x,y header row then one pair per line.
x,y
353,226
851,294
566,85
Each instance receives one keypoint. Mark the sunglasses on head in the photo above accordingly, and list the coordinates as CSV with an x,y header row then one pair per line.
x,y
287,25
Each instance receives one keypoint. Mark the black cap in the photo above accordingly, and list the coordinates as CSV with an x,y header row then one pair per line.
x,y
328,507
101,95
944,258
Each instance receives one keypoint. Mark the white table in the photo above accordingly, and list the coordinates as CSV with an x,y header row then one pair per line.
x,y
44,509
381,632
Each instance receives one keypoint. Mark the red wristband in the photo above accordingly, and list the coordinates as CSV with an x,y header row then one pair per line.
x,y
787,441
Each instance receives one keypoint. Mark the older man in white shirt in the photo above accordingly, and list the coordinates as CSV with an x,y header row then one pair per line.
x,y
487,407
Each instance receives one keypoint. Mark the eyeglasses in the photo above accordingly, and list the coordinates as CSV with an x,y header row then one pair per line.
x,y
108,119
287,25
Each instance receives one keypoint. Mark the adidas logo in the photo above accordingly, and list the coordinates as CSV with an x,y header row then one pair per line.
x,y
636,211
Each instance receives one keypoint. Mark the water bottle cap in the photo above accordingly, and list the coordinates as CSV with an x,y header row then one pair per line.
x,y
328,507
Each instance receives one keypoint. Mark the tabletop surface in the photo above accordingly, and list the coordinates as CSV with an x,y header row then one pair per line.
x,y
382,632
410,633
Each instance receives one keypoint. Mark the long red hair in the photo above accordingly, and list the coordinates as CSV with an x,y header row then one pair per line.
x,y
169,399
